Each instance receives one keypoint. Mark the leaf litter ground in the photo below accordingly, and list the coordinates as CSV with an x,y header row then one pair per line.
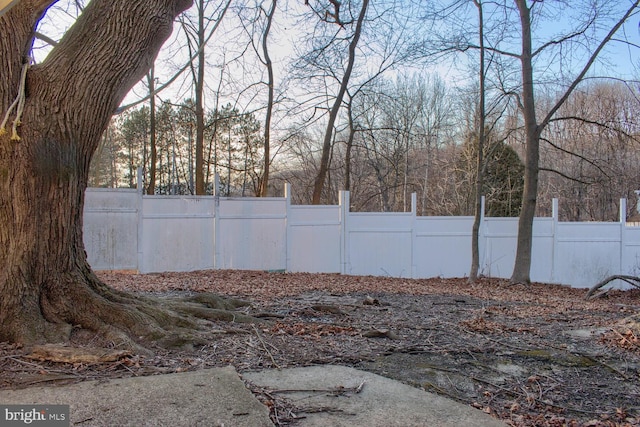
x,y
537,355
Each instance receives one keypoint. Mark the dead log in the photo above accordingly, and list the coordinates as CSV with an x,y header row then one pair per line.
x,y
593,294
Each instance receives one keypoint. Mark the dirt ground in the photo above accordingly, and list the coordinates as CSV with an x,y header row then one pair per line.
x,y
538,355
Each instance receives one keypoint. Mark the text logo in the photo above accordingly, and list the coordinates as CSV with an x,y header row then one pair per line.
x,y
34,415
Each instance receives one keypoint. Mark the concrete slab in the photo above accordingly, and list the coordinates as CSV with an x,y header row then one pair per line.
x,y
327,395
208,398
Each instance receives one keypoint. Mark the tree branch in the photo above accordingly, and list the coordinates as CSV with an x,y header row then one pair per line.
x,y
590,62
46,39
571,153
565,38
593,122
181,70
557,172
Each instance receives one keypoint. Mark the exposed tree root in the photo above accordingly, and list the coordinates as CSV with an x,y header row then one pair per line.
x,y
57,353
77,306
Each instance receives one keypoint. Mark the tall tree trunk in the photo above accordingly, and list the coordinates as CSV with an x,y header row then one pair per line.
x,y
333,114
46,284
522,265
480,132
200,184
349,148
151,188
264,181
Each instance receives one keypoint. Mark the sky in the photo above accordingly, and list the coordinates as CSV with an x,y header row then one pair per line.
x,y
618,59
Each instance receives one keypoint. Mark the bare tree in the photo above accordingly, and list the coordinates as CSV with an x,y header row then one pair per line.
x,y
534,128
264,180
589,153
258,22
480,132
398,127
198,38
333,16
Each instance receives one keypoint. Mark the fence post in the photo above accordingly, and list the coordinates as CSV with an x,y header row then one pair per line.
x,y
139,222
482,240
344,231
554,238
216,221
414,212
623,234
287,225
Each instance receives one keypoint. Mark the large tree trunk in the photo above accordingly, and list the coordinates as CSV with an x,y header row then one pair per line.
x,y
46,285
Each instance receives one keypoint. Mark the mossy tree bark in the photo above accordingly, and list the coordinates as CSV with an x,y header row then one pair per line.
x,y
46,285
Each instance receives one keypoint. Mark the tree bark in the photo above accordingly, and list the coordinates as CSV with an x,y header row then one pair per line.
x,y
522,267
46,283
333,114
151,188
480,129
264,180
349,148
199,82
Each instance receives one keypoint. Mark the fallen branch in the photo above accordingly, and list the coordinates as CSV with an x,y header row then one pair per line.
x,y
631,280
518,394
276,404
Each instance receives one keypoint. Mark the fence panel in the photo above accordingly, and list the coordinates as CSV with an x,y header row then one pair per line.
x,y
542,250
379,244
177,233
251,234
500,246
587,252
111,229
631,251
314,239
442,246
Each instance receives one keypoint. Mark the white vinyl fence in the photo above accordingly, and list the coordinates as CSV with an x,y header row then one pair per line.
x,y
125,230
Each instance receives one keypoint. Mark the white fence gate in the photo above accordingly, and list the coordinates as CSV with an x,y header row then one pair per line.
x,y
126,230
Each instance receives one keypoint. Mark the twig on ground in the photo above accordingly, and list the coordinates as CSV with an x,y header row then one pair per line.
x,y
337,391
264,346
625,339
